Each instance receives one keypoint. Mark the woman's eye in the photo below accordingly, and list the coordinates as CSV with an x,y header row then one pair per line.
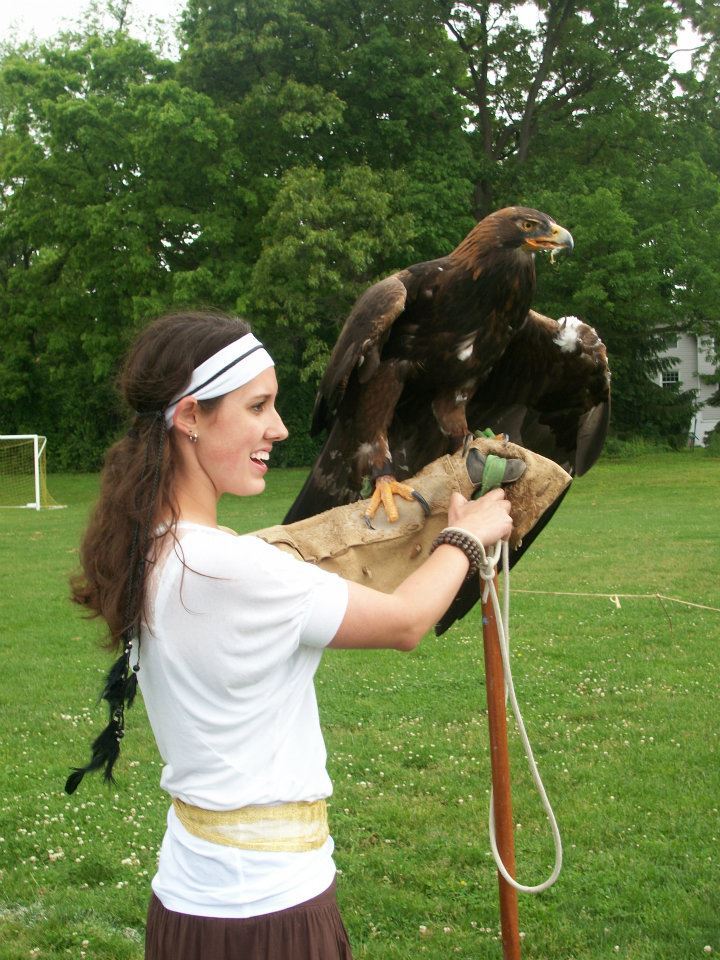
x,y
258,407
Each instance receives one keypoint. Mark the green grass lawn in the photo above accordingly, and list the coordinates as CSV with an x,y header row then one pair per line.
x,y
621,705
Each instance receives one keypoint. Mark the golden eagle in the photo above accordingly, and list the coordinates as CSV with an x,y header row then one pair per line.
x,y
449,346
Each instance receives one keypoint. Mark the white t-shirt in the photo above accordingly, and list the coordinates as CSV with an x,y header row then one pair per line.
x,y
235,633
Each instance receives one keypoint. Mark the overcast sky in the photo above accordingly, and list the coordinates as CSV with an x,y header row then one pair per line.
x,y
45,18
19,19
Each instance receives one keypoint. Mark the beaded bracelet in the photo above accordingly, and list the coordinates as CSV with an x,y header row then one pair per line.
x,y
465,541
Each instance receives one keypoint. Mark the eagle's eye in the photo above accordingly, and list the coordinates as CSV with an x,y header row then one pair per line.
x,y
529,224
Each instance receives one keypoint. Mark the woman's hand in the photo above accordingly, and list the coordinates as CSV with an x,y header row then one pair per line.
x,y
487,518
400,619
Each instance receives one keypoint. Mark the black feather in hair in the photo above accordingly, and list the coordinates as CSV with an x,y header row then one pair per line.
x,y
121,682
106,747
131,688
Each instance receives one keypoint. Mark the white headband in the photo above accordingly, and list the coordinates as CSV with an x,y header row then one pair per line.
x,y
229,368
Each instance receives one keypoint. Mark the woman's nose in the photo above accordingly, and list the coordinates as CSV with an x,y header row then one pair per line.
x,y
278,430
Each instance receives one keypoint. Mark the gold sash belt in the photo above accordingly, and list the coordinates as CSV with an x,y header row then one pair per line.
x,y
287,827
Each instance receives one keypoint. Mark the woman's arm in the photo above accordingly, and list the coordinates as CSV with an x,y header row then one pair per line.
x,y
399,620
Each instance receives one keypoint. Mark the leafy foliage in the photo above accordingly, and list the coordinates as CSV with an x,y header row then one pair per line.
x,y
297,152
118,200
712,441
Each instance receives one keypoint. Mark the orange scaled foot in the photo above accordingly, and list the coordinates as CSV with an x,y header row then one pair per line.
x,y
385,487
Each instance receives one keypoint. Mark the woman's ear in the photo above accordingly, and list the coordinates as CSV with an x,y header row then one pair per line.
x,y
185,418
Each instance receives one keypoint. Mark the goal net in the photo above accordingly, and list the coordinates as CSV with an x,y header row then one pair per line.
x,y
22,472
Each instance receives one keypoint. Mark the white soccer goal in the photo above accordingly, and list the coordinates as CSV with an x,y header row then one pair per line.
x,y
22,472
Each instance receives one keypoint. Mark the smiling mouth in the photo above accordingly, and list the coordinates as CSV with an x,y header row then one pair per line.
x,y
260,457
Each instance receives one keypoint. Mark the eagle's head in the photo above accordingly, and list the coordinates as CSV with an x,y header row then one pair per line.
x,y
526,229
517,231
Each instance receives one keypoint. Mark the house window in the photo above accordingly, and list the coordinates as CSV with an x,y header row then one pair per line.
x,y
670,378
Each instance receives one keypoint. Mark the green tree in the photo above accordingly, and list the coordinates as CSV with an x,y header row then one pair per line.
x,y
119,199
575,110
299,151
568,107
329,85
359,163
585,75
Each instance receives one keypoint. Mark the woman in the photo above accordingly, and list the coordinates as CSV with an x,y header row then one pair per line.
x,y
225,634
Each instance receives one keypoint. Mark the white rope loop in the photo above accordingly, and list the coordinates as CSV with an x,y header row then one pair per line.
x,y
487,583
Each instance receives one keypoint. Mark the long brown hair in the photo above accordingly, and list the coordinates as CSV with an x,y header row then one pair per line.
x,y
137,490
157,368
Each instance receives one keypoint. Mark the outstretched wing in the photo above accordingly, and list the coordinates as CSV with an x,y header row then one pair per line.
x,y
359,345
550,392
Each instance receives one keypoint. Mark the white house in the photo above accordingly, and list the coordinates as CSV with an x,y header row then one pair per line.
x,y
694,355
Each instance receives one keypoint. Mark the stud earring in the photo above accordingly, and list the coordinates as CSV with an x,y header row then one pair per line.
x,y
193,437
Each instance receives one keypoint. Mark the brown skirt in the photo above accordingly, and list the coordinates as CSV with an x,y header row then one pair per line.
x,y
309,931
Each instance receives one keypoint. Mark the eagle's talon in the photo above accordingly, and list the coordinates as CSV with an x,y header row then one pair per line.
x,y
385,487
368,522
423,502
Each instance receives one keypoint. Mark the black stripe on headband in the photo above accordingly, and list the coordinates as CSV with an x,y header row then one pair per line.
x,y
220,372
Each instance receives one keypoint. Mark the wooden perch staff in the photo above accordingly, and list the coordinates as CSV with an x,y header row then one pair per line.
x,y
500,767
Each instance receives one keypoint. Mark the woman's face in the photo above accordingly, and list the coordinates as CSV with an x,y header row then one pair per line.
x,y
236,438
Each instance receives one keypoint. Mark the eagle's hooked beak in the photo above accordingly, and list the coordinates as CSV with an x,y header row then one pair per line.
x,y
555,240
